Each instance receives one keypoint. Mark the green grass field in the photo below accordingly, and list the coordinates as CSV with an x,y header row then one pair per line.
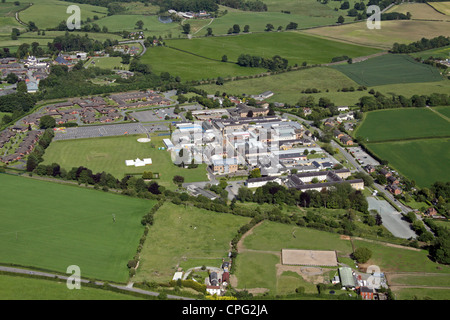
x,y
405,123
390,69
190,67
52,226
392,259
7,16
20,288
443,52
49,13
274,236
107,63
421,160
294,47
109,154
422,294
183,236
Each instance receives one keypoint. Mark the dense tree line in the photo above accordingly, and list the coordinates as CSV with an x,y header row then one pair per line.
x,y
380,101
36,156
343,196
421,45
75,42
273,64
249,5
188,5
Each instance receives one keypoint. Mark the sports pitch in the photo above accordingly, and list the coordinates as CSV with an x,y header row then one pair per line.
x,y
51,226
109,154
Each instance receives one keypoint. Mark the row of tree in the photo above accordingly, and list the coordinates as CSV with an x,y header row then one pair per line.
x,y
275,63
421,45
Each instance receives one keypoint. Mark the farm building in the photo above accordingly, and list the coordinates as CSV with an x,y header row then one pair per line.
x,y
347,278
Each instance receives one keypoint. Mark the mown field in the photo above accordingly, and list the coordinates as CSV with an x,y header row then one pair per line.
x,y
109,154
389,69
294,47
408,139
186,237
421,160
398,124
52,226
21,288
400,31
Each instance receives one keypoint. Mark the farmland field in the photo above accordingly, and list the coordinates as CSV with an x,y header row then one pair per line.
x,y
421,160
181,235
49,13
390,69
190,67
52,226
397,124
294,47
421,11
443,6
19,288
109,154
400,31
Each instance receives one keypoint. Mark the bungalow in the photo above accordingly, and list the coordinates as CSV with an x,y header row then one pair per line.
x,y
338,134
369,168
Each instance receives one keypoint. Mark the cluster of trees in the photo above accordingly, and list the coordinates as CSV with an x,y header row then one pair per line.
x,y
343,196
276,63
21,102
188,5
35,157
421,45
75,42
379,101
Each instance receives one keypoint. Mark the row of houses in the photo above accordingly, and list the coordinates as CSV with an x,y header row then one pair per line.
x,y
24,148
343,138
139,99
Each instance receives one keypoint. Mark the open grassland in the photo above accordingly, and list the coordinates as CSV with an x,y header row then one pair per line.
x,y
294,47
419,11
20,288
49,13
257,270
445,111
395,259
52,226
421,160
109,154
7,16
405,123
443,7
180,234
190,67
274,236
400,31
421,294
389,69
